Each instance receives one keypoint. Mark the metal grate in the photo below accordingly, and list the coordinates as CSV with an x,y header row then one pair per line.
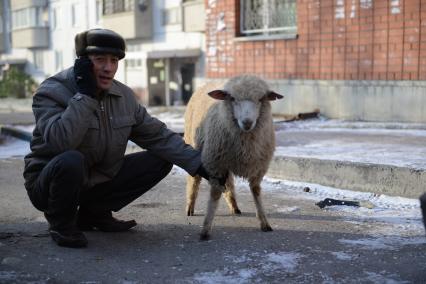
x,y
268,17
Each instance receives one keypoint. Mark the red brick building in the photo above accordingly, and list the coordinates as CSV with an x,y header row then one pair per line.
x,y
356,46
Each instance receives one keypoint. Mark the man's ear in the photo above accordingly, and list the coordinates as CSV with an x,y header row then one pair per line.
x,y
218,94
272,96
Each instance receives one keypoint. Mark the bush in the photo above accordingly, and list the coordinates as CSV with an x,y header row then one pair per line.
x,y
16,83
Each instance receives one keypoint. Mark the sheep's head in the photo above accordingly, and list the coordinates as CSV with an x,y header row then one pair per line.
x,y
246,96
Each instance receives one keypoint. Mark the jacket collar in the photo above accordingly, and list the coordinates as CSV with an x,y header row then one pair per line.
x,y
115,90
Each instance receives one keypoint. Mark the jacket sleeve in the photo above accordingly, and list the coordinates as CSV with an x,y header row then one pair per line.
x,y
62,121
153,135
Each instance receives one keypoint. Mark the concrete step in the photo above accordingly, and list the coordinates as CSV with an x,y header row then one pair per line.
x,y
362,157
366,177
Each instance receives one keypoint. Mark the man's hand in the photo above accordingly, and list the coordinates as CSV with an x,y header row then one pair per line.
x,y
84,76
203,173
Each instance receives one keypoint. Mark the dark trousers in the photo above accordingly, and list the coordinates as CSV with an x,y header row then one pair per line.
x,y
59,190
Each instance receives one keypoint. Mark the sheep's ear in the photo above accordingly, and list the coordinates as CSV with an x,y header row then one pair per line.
x,y
272,96
218,95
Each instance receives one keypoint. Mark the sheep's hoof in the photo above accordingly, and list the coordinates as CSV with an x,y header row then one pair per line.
x,y
204,237
266,228
236,211
189,211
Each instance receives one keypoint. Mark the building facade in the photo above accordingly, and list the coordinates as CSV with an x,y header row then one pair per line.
x,y
353,59
165,41
165,46
38,35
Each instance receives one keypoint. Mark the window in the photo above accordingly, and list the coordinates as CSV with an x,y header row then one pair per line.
x,y
28,17
38,59
98,11
171,16
118,6
134,63
268,17
58,60
133,47
54,20
73,15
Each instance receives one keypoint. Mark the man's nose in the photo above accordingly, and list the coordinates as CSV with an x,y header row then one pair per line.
x,y
108,66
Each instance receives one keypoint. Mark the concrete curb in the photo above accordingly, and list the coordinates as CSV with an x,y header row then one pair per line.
x,y
365,177
376,178
17,133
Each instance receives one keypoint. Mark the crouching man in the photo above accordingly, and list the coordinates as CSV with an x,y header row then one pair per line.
x,y
77,172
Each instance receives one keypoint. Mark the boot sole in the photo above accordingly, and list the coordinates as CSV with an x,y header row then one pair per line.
x,y
64,241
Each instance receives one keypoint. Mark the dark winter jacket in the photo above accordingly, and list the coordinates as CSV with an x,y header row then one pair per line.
x,y
67,120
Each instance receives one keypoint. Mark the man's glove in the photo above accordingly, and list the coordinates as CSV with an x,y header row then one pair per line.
x,y
203,173
84,76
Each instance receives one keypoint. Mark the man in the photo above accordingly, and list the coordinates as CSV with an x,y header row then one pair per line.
x,y
77,173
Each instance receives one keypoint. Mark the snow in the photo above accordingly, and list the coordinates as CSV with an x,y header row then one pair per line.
x,y
11,147
392,215
258,264
396,144
340,255
396,155
388,243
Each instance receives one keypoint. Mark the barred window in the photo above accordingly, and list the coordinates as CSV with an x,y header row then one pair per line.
x,y
117,6
268,17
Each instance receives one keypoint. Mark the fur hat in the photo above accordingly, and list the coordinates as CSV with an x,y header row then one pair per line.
x,y
99,41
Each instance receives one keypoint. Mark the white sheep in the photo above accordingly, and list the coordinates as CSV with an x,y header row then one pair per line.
x,y
233,128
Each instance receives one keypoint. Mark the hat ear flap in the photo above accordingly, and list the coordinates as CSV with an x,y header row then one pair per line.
x,y
80,43
218,94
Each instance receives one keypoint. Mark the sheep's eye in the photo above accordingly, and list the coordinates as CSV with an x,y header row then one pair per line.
x,y
232,99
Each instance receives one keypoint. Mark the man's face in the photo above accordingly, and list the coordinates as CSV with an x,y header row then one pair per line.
x,y
104,68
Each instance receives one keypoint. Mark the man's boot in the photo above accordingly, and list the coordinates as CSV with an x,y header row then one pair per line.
x,y
102,220
66,233
423,207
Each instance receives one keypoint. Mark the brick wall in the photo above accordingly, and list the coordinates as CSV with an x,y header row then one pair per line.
x,y
337,40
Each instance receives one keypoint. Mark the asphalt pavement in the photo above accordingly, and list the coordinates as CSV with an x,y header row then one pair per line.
x,y
343,244
308,244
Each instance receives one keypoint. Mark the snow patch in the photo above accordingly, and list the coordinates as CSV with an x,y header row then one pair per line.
x,y
255,264
388,243
341,255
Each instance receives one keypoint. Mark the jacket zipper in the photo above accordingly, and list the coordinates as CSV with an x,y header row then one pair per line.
x,y
104,127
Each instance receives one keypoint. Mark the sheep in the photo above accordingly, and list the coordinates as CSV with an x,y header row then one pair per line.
x,y
233,129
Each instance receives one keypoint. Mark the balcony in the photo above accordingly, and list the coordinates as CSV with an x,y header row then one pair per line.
x,y
22,4
194,16
30,23
133,24
32,37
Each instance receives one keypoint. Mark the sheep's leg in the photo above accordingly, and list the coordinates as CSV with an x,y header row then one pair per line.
x,y
256,190
192,187
230,195
215,193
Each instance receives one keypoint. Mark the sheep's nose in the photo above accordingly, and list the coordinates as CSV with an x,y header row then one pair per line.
x,y
247,123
